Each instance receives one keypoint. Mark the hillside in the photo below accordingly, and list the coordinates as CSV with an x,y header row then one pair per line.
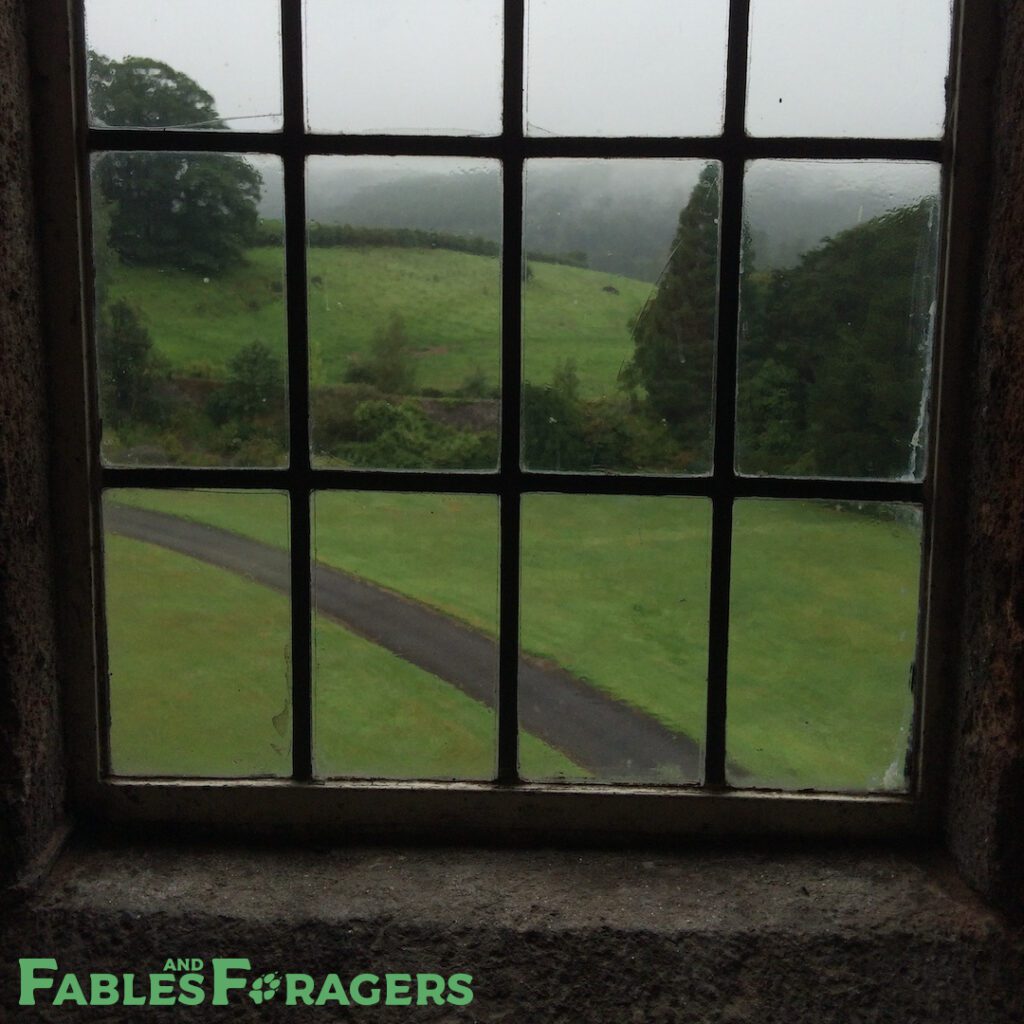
x,y
450,303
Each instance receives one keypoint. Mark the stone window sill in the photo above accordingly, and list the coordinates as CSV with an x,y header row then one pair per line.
x,y
755,935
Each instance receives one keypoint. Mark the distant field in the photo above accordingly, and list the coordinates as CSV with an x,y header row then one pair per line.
x,y
215,700
614,589
450,303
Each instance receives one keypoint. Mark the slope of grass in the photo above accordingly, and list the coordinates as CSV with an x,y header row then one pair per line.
x,y
198,667
215,701
824,609
450,303
614,589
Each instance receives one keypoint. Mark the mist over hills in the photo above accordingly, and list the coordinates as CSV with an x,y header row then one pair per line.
x,y
621,214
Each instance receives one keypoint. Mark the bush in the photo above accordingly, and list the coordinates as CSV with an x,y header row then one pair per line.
x,y
474,385
255,387
133,375
389,366
376,433
564,432
334,415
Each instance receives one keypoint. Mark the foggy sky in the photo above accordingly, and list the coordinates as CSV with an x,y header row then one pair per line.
x,y
817,67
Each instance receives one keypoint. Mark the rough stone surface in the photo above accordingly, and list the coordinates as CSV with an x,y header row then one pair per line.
x,y
986,808
31,767
548,936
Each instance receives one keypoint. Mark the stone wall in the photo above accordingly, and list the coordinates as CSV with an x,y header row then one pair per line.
x,y
986,808
31,761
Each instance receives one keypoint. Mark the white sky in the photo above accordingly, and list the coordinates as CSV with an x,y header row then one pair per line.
x,y
817,67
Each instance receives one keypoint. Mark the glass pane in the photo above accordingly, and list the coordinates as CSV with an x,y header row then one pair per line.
x,y
406,591
404,311
404,67
184,64
625,67
190,317
821,644
848,68
198,626
619,313
614,636
838,318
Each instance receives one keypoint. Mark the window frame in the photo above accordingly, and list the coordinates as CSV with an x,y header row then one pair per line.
x,y
506,806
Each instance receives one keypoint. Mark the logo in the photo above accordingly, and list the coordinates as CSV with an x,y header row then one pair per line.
x,y
192,982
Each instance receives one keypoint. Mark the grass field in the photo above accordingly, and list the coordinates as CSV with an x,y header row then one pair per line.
x,y
450,303
200,686
615,590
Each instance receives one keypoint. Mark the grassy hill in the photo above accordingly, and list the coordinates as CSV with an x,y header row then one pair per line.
x,y
450,303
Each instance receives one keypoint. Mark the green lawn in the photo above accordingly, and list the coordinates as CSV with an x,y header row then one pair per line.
x,y
829,691
615,589
450,302
200,686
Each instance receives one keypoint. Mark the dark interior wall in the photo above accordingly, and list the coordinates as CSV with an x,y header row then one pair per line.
x,y
986,808
31,770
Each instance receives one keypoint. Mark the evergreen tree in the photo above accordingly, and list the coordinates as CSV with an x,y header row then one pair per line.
x,y
833,361
674,334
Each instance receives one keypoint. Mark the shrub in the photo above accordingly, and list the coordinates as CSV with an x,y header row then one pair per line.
x,y
389,366
255,387
133,374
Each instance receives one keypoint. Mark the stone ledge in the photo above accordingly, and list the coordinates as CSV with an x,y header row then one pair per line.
x,y
548,935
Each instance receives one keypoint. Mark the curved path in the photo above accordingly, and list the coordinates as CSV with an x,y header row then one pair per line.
x,y
606,736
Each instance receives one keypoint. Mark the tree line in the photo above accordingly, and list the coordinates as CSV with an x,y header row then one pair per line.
x,y
328,236
833,351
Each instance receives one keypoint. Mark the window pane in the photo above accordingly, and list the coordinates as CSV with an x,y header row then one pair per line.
x,y
198,627
190,320
838,318
184,64
821,644
404,311
619,312
614,635
404,67
406,589
625,67
848,68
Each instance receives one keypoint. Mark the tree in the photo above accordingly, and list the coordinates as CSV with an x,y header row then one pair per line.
x,y
674,334
193,211
834,359
389,366
255,386
139,92
553,423
131,370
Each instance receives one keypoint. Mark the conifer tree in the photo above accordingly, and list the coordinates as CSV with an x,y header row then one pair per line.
x,y
674,334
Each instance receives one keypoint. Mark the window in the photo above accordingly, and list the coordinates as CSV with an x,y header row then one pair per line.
x,y
707,537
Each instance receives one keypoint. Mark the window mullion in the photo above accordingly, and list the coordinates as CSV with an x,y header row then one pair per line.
x,y
731,238
299,476
511,390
